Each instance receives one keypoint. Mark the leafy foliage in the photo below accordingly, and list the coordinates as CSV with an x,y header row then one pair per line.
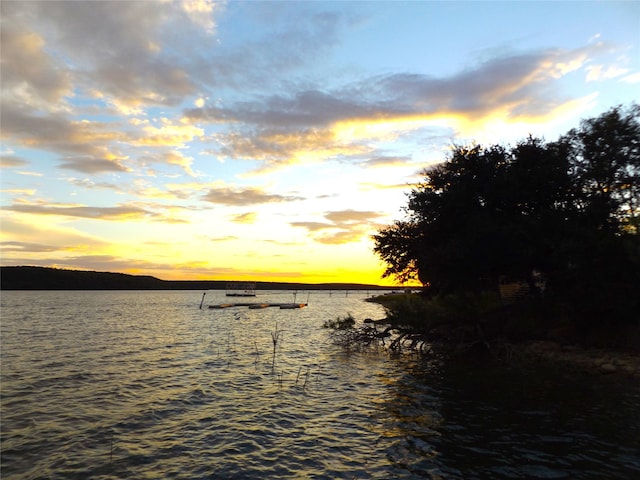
x,y
424,314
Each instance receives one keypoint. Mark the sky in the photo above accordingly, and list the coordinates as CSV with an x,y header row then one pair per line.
x,y
270,140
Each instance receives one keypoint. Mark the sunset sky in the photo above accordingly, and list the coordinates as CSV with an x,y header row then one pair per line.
x,y
270,140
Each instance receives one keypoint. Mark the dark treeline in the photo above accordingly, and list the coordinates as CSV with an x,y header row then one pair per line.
x,y
565,211
42,278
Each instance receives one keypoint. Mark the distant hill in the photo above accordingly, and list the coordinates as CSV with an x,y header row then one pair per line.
x,y
43,278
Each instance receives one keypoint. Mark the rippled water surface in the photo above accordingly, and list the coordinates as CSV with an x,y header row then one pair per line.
x,y
146,385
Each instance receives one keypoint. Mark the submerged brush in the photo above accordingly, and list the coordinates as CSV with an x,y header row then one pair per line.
x,y
275,336
306,377
111,450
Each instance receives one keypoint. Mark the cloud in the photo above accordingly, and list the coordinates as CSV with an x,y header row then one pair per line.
x,y
161,156
20,191
103,263
136,212
119,213
313,226
517,84
92,147
275,149
301,110
345,226
102,53
12,246
91,165
511,81
29,74
117,48
136,54
243,197
387,161
246,218
369,186
341,237
169,134
167,192
26,241
58,53
90,184
283,243
633,78
342,217
11,161
228,238
200,12
296,39
58,133
604,72
312,125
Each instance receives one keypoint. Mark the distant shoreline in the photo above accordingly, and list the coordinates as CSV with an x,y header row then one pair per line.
x,y
45,278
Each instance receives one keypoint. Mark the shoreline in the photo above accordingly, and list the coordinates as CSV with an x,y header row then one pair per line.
x,y
614,351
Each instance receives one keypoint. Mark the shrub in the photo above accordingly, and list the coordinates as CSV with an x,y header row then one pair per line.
x,y
340,323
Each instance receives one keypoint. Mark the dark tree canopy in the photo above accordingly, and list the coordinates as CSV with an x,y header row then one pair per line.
x,y
569,209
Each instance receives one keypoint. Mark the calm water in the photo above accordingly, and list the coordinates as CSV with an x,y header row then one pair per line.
x,y
100,385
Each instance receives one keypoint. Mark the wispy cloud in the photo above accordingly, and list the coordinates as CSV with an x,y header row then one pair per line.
x,y
381,161
241,197
91,165
56,131
90,184
313,226
246,218
345,217
119,213
342,226
13,246
228,238
633,78
28,240
10,161
132,212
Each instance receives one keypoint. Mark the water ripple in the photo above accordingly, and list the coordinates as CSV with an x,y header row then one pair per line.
x,y
107,385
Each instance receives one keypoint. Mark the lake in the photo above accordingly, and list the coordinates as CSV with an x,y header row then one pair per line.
x,y
132,384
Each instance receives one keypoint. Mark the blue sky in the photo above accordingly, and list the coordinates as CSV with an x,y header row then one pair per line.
x,y
270,140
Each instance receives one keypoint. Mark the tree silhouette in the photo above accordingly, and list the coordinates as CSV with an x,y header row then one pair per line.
x,y
568,209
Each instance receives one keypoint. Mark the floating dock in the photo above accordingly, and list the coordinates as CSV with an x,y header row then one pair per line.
x,y
255,306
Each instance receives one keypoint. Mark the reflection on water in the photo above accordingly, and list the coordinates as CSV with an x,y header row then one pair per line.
x,y
507,423
146,385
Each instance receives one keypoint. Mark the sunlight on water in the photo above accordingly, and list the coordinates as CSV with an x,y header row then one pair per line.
x,y
146,385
